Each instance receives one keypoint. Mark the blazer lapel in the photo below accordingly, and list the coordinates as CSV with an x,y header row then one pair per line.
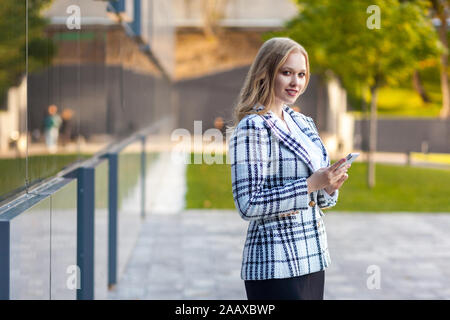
x,y
287,139
314,136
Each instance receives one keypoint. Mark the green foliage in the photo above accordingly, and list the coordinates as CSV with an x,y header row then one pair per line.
x,y
13,41
337,39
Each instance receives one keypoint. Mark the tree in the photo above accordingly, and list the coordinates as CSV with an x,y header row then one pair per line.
x,y
441,11
346,38
13,41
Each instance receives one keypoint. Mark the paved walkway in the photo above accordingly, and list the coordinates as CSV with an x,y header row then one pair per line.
x,y
196,254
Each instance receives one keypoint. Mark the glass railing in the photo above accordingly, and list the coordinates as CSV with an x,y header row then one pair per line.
x,y
71,236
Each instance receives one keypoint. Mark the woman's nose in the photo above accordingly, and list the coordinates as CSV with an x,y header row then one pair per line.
x,y
295,81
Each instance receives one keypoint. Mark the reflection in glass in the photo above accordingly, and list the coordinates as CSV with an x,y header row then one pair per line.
x,y
13,94
129,202
88,85
64,242
30,253
101,232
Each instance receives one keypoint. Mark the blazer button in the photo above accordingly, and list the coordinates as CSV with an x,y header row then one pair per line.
x,y
312,203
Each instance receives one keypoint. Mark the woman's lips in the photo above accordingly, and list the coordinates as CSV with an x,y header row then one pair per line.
x,y
291,92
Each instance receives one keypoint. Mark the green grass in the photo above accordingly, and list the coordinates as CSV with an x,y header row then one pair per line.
x,y
398,188
404,101
439,158
13,171
209,186
41,167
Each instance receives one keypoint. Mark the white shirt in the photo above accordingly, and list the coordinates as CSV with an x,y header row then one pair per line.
x,y
314,151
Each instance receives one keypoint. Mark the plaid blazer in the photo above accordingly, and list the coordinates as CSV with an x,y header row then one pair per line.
x,y
286,235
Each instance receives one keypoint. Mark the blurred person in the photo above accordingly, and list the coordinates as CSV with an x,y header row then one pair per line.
x,y
66,126
281,178
52,122
219,124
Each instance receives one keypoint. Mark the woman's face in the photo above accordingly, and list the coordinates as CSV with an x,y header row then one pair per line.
x,y
290,79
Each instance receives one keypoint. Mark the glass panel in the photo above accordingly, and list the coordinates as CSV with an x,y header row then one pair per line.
x,y
13,98
129,207
30,253
152,179
54,95
64,242
88,83
101,232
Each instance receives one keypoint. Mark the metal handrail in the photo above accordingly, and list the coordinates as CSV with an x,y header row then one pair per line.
x,y
83,172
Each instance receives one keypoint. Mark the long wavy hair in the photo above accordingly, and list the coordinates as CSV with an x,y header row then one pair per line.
x,y
259,83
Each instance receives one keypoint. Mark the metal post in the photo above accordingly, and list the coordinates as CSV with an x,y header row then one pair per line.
x,y
85,232
4,260
136,24
112,228
143,176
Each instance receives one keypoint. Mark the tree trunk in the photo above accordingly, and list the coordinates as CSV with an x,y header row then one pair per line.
x,y
417,83
372,136
365,124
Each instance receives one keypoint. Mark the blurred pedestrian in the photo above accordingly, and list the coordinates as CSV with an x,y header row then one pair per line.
x,y
281,178
219,124
66,126
52,122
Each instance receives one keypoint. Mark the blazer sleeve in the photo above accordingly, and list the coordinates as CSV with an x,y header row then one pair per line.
x,y
324,200
249,151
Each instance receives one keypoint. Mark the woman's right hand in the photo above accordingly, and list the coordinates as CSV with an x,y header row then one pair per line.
x,y
326,176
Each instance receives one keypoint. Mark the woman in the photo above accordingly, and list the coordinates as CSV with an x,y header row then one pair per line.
x,y
281,178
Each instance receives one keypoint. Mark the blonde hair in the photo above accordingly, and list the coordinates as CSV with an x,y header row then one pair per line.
x,y
259,83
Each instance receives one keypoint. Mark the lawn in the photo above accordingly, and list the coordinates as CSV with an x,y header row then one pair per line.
x,y
438,158
403,100
398,188
39,167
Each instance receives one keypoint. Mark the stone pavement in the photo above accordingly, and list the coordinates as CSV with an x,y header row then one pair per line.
x,y
196,254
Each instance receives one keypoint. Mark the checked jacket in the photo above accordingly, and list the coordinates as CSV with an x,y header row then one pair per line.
x,y
286,235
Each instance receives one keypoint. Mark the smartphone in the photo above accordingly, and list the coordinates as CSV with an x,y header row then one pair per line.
x,y
349,159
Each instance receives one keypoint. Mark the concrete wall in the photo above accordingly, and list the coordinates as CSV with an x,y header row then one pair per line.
x,y
405,135
108,99
235,13
215,95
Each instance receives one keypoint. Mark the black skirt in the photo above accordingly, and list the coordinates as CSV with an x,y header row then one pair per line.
x,y
307,287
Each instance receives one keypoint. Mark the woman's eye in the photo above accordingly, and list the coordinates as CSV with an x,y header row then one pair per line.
x,y
287,73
